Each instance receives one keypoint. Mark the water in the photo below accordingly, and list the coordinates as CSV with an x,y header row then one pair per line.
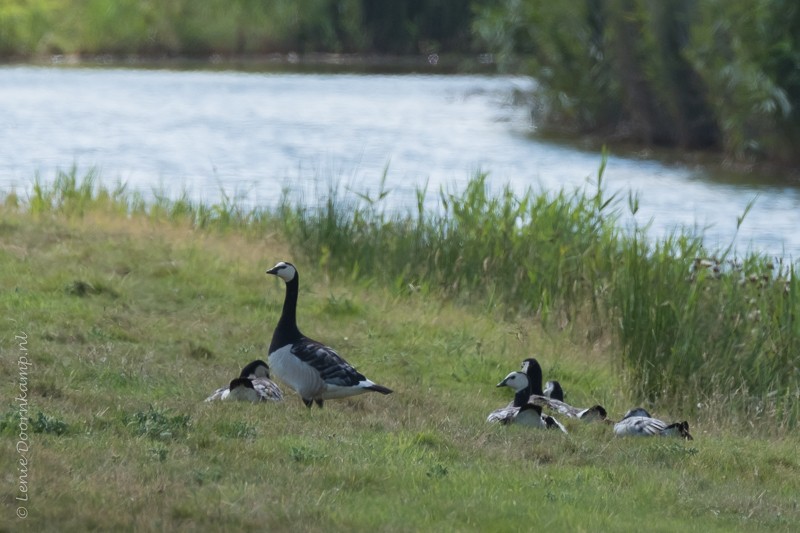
x,y
252,135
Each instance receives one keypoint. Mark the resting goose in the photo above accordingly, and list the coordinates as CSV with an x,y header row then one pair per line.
x,y
552,389
638,422
533,372
590,414
531,415
252,385
553,395
521,411
315,371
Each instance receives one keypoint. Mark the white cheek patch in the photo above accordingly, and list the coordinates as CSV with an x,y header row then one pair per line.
x,y
285,272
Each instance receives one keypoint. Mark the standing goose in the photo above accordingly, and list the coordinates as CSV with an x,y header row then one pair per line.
x,y
638,422
252,385
521,411
315,371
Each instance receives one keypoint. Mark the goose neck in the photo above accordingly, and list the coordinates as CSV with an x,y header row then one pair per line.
x,y
287,324
522,396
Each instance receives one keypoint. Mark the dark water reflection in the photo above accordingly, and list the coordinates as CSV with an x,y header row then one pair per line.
x,y
253,134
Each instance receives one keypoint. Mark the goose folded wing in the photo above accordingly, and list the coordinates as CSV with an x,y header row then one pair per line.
x,y
649,426
596,412
267,389
331,367
554,405
218,394
504,415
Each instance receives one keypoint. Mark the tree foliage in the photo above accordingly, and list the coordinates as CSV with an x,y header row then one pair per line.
x,y
694,74
200,27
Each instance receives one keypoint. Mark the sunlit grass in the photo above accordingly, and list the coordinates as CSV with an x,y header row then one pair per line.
x,y
134,316
698,339
727,341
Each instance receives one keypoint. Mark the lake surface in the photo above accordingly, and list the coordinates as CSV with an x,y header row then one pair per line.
x,y
254,134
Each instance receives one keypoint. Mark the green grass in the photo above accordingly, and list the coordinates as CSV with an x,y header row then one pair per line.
x,y
729,340
133,319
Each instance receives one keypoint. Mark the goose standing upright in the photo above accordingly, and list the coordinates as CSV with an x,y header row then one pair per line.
x,y
315,371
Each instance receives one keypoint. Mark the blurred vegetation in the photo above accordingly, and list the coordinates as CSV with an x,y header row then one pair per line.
x,y
712,74
202,27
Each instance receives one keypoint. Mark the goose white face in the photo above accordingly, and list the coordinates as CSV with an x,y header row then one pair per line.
x,y
515,380
285,271
526,366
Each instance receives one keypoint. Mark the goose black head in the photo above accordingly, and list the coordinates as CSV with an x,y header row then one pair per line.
x,y
553,390
286,271
683,430
242,389
256,369
533,370
596,412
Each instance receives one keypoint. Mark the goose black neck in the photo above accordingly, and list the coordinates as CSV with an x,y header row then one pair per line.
x,y
286,331
535,379
522,396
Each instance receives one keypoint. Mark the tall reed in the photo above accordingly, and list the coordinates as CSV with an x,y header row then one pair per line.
x,y
711,333
699,333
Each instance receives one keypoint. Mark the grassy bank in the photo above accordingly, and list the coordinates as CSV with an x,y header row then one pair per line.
x,y
718,336
132,313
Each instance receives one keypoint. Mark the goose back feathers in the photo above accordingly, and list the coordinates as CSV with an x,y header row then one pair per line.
x,y
638,422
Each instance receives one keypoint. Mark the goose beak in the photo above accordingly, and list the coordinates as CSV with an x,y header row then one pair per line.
x,y
272,271
501,384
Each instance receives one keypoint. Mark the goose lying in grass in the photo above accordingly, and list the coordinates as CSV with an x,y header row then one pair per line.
x,y
315,371
552,389
521,411
252,385
553,395
531,415
638,422
590,414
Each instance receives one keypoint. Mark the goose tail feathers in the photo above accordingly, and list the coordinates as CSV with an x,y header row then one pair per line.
x,y
379,388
